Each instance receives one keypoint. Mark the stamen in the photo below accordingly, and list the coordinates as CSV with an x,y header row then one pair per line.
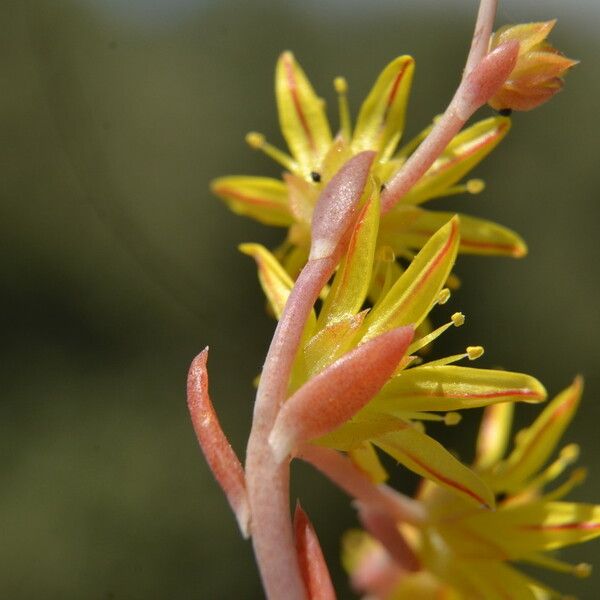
x,y
341,87
443,296
474,352
257,141
581,570
457,319
472,186
577,477
567,457
451,418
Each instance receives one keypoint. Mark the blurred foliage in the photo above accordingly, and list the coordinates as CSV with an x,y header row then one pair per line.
x,y
118,266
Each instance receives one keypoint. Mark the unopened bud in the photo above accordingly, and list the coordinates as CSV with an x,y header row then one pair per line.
x,y
538,73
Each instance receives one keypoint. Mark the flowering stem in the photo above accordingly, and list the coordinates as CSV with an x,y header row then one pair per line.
x,y
461,108
483,30
268,482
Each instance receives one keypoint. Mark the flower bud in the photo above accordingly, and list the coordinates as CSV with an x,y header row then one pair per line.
x,y
537,76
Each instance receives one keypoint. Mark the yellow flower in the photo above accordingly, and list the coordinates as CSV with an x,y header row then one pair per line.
x,y
537,76
468,551
316,156
392,419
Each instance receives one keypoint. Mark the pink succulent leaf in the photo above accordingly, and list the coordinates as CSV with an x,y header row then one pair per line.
x,y
336,206
217,450
310,556
487,78
336,394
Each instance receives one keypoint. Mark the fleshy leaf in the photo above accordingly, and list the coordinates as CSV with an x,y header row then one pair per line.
x,y
217,450
412,296
260,198
447,388
381,118
535,444
351,283
426,457
412,227
301,115
310,557
494,434
338,204
332,397
462,154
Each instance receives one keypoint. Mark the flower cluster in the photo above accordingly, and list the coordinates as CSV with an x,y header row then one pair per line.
x,y
346,377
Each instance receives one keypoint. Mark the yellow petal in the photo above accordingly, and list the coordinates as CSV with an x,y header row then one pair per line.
x,y
328,344
535,444
302,196
412,296
426,457
454,388
275,282
537,526
261,198
463,153
301,115
351,283
412,227
360,429
365,458
527,34
381,118
494,434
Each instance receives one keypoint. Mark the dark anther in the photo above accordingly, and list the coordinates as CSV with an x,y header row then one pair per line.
x,y
316,177
382,188
505,112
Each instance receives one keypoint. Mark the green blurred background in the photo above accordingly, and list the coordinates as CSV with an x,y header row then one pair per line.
x,y
118,266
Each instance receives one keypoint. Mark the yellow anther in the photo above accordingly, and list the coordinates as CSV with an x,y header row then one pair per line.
x,y
582,570
475,186
458,319
452,418
340,84
255,140
386,254
570,453
443,296
474,352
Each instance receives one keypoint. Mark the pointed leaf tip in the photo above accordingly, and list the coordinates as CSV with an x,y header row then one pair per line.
x,y
217,450
336,206
310,556
339,392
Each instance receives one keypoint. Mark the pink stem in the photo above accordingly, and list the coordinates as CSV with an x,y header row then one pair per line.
x,y
461,108
483,31
268,482
356,484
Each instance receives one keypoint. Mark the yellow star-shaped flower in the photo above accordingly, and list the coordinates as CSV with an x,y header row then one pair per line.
x,y
315,156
